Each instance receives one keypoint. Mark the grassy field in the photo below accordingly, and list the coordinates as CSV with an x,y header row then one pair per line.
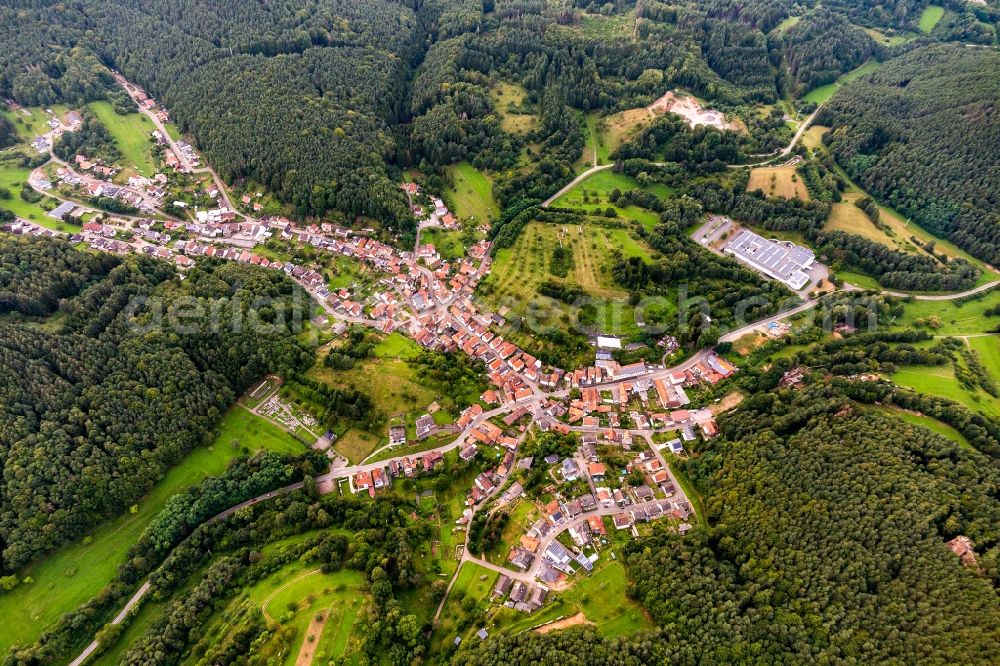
x,y
821,94
471,193
895,230
507,96
813,137
473,582
859,279
394,386
930,17
12,177
845,216
901,229
78,571
602,597
346,273
934,425
522,516
396,345
941,381
780,181
593,193
340,593
448,243
132,134
245,429
32,122
964,319
988,348
619,127
518,271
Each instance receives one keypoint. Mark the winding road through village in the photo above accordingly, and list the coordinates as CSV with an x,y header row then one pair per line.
x,y
331,480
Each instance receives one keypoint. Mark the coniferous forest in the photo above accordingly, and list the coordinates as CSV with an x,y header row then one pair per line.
x,y
922,133
324,101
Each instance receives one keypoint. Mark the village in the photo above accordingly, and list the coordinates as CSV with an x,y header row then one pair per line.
x,y
621,424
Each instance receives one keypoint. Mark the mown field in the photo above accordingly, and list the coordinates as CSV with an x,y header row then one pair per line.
x,y
518,271
935,425
12,178
988,348
966,318
592,195
132,135
781,181
75,573
471,193
930,17
821,94
32,122
941,381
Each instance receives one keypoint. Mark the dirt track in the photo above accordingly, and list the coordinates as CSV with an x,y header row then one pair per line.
x,y
308,649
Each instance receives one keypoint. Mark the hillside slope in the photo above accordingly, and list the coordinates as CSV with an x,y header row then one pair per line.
x,y
922,134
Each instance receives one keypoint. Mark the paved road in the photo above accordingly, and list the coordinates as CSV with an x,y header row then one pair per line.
x,y
576,181
219,185
136,598
943,297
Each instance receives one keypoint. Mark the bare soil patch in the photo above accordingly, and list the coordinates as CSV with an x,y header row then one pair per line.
x,y
727,403
691,110
570,621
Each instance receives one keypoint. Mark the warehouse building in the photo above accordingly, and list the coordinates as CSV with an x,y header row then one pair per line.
x,y
781,260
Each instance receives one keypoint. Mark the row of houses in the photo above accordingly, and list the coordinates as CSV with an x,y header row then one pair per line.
x,y
382,476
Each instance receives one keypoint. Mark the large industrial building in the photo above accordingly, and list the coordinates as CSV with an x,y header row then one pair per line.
x,y
781,260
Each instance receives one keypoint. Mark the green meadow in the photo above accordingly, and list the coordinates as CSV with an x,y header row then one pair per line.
x,y
930,17
470,194
593,194
821,94
132,135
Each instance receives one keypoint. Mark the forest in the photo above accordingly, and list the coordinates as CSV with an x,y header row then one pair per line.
x,y
934,162
96,406
325,101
